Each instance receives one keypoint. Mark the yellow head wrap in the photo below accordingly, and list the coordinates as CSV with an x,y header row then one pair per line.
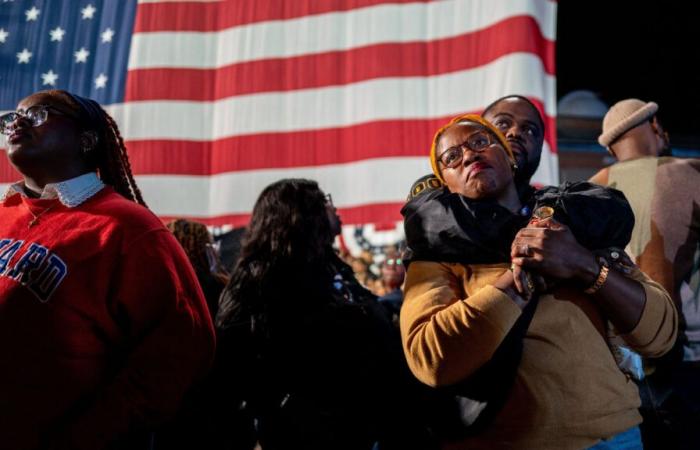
x,y
467,118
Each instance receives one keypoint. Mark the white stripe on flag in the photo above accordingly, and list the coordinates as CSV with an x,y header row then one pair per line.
x,y
412,22
339,106
354,184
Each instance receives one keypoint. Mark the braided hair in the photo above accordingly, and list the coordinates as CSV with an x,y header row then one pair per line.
x,y
109,156
196,240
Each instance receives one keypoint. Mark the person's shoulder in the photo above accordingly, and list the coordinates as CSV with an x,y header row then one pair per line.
x,y
425,269
673,163
124,213
392,297
601,177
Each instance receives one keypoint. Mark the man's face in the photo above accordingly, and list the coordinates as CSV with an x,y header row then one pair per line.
x,y
664,143
520,124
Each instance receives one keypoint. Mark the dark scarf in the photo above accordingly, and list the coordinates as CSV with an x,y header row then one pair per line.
x,y
441,226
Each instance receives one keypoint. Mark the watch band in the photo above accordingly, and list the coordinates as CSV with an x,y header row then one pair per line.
x,y
602,277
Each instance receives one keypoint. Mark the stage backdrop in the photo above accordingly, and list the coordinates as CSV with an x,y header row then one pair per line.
x,y
217,99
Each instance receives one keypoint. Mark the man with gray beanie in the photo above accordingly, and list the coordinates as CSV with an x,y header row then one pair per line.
x,y
665,197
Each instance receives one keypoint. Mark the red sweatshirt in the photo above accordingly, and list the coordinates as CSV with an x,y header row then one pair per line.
x,y
103,325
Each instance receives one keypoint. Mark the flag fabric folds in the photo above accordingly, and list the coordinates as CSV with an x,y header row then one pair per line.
x,y
217,99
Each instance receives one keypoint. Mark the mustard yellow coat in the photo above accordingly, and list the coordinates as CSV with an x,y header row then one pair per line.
x,y
569,392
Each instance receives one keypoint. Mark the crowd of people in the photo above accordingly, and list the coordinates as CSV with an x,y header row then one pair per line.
x,y
565,317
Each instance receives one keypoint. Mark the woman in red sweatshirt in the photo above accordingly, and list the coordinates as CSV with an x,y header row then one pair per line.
x,y
103,325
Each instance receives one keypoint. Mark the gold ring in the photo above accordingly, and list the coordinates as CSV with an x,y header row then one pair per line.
x,y
512,267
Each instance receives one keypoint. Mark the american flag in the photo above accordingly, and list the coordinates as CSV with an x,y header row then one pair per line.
x,y
217,99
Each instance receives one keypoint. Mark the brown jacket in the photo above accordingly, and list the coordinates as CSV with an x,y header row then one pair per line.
x,y
665,197
568,392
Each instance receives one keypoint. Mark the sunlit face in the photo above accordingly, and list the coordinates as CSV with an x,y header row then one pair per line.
x,y
333,218
52,144
481,174
520,124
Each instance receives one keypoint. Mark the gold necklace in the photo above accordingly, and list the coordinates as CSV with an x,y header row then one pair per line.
x,y
35,217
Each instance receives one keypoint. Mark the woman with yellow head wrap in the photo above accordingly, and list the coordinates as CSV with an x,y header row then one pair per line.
x,y
550,383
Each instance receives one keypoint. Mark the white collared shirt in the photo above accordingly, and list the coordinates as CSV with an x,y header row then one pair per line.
x,y
70,193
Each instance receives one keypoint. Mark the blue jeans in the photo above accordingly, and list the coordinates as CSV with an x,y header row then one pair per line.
x,y
627,440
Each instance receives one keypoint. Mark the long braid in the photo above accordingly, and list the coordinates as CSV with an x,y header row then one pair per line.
x,y
118,165
109,157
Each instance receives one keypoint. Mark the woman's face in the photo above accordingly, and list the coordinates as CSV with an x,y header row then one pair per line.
x,y
484,171
50,145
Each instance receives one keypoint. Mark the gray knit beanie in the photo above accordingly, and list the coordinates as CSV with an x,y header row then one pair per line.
x,y
623,116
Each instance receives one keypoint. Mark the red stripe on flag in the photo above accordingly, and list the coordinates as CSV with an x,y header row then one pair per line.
x,y
382,213
343,67
215,16
309,148
285,150
384,139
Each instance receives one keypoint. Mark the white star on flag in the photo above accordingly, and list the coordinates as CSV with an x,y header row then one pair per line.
x,y
107,35
57,34
100,81
49,78
32,14
24,56
3,35
81,55
88,12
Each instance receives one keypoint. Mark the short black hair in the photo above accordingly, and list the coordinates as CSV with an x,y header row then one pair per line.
x,y
519,97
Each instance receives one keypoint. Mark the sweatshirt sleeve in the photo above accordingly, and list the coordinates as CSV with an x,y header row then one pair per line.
x,y
447,337
655,333
169,342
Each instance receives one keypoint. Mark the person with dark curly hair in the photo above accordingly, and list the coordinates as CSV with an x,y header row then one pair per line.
x,y
318,366
103,326
199,247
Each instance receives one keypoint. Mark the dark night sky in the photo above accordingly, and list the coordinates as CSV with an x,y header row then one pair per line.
x,y
622,49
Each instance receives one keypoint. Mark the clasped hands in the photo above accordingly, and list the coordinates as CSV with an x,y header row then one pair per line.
x,y
544,252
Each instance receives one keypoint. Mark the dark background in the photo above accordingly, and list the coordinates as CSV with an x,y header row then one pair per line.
x,y
623,49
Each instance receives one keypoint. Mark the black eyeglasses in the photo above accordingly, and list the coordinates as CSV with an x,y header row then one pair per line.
x,y
36,115
453,156
393,262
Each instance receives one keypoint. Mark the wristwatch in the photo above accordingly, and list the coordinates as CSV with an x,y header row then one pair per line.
x,y
602,276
